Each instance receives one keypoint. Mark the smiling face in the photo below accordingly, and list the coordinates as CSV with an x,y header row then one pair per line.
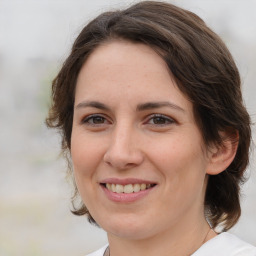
x,y
139,159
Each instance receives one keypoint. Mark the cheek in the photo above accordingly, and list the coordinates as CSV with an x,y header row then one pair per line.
x,y
182,163
178,151
86,156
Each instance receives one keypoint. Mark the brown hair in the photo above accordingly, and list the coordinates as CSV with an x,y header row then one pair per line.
x,y
204,71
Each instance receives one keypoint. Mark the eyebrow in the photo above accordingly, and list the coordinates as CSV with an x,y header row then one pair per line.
x,y
93,104
153,105
140,107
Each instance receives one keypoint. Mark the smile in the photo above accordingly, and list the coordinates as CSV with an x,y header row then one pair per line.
x,y
127,189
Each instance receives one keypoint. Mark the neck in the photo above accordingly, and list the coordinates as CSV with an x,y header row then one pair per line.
x,y
182,239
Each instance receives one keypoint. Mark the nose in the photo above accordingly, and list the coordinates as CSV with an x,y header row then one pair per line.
x,y
123,151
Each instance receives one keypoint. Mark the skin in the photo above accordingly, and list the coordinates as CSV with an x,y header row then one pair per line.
x,y
123,141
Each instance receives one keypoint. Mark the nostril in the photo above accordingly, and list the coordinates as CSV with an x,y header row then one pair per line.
x,y
123,154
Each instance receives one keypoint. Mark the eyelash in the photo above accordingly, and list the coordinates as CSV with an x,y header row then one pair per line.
x,y
162,117
92,118
89,120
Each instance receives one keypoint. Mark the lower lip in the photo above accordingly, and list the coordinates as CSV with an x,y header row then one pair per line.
x,y
126,198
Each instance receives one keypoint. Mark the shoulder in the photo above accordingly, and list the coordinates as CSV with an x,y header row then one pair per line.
x,y
226,244
99,252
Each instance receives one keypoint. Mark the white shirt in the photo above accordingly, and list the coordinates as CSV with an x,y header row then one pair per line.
x,y
224,244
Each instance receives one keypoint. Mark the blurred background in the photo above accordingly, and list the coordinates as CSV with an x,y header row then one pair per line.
x,y
35,38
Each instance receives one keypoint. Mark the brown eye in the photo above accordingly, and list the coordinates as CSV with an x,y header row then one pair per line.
x,y
160,120
94,120
97,120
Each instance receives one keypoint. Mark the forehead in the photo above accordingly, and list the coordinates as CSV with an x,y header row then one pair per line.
x,y
121,55
127,71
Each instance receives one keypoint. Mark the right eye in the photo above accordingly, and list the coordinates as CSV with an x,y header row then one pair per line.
x,y
95,120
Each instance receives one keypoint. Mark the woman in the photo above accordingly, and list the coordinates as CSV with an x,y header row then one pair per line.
x,y
150,109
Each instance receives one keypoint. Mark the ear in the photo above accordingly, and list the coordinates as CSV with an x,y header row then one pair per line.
x,y
220,157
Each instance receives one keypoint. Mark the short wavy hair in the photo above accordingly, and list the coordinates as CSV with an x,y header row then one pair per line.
x,y
204,71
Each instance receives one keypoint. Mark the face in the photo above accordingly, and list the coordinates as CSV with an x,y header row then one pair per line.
x,y
138,156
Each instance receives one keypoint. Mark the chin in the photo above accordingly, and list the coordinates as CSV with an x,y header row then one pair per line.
x,y
129,233
126,227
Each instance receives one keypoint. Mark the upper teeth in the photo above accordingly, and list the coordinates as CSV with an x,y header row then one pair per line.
x,y
130,188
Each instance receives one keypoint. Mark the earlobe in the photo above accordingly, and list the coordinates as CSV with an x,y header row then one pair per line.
x,y
220,157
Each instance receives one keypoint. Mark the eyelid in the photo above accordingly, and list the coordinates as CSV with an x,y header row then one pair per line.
x,y
85,119
168,118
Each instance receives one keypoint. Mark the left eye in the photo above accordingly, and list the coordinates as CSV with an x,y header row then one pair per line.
x,y
160,120
95,120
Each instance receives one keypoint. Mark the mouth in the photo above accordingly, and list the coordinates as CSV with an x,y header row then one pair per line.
x,y
128,188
